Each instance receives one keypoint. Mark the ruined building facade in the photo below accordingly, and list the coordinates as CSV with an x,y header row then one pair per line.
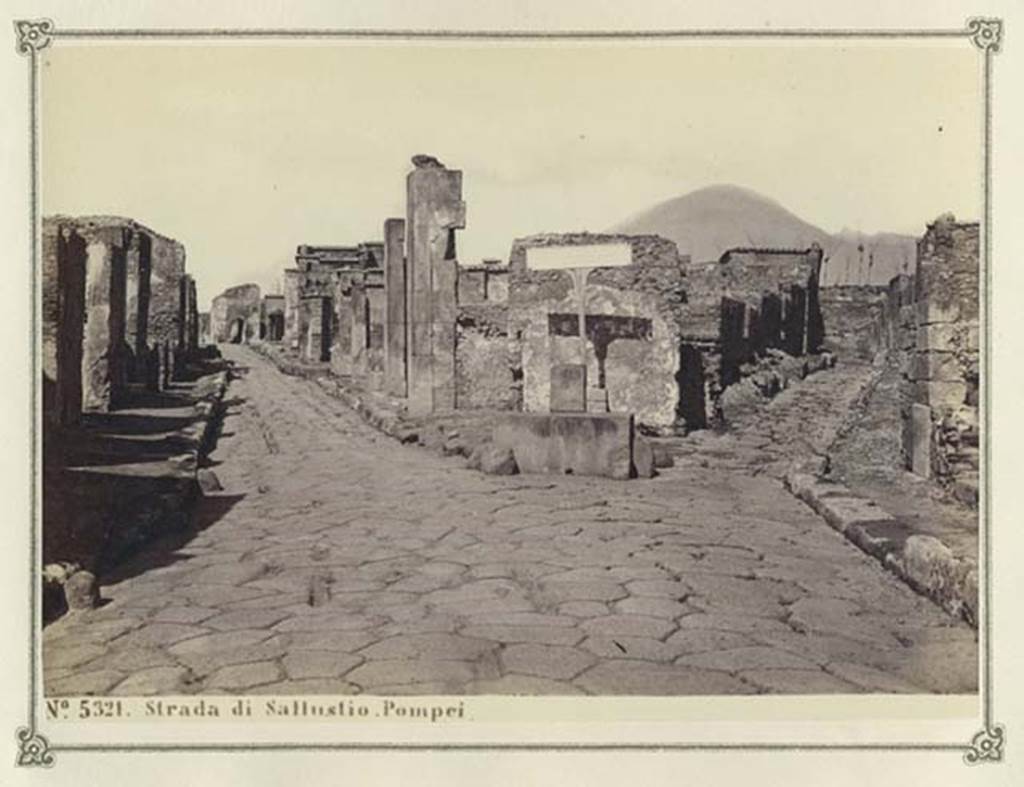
x,y
118,310
561,327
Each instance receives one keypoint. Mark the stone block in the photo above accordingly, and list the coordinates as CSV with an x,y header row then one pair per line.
x,y
940,394
568,388
569,443
938,367
597,400
920,433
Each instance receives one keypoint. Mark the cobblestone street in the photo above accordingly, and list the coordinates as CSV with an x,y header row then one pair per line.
x,y
337,561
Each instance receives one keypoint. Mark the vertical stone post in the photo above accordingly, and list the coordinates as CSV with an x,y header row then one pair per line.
x,y
136,329
103,343
435,210
395,359
63,313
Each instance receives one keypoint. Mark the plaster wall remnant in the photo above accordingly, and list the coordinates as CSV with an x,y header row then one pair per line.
x,y
631,349
435,210
395,355
167,267
235,314
63,312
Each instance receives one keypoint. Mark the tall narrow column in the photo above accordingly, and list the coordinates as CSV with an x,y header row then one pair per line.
x,y
435,210
395,359
102,356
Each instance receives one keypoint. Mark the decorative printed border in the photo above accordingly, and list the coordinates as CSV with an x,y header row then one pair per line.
x,y
32,36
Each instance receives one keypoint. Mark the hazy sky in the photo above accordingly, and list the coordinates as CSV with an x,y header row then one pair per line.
x,y
244,152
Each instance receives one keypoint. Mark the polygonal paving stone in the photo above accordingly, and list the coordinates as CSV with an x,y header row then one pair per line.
x,y
558,592
749,658
132,659
400,671
157,680
659,607
584,609
662,588
246,619
688,640
318,664
623,676
244,676
872,679
307,686
629,648
544,635
161,635
628,626
184,614
519,685
428,646
545,661
219,595
529,619
740,624
332,619
219,641
71,655
85,683
798,681
336,641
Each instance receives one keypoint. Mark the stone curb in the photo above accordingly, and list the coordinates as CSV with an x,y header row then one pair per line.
x,y
923,561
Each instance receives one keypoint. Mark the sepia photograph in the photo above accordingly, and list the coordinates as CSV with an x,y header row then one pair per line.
x,y
378,373
427,384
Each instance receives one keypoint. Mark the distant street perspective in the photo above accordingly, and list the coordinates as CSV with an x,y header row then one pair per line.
x,y
304,440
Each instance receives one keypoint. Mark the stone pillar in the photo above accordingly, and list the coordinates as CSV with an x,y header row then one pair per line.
x,y
136,328
63,314
292,305
794,321
103,345
192,322
395,359
435,210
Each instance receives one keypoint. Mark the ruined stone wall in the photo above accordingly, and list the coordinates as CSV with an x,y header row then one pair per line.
x,y
167,267
63,313
942,428
632,348
752,301
852,314
316,319
488,362
487,283
204,328
235,314
273,325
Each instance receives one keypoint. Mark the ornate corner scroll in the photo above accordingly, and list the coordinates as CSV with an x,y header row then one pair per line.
x,y
987,745
33,749
985,33
33,34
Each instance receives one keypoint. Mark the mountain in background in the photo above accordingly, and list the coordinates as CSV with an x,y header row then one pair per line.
x,y
707,222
